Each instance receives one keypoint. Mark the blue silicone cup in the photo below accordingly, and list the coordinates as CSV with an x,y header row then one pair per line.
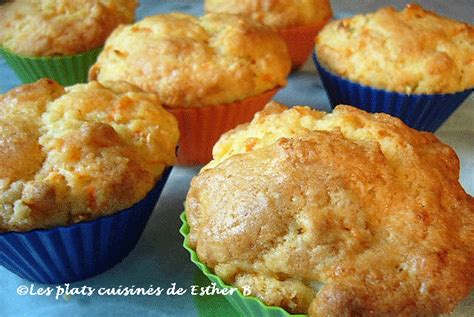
x,y
425,112
76,252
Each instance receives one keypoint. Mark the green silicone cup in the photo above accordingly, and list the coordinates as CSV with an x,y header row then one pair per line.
x,y
66,70
246,305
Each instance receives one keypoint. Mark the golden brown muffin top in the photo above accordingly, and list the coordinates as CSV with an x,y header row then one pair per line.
x,y
61,27
193,62
78,153
341,214
277,14
411,51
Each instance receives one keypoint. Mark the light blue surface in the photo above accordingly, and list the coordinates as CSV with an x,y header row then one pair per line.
x,y
159,258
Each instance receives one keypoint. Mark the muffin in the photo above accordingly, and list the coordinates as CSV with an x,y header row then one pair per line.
x,y
35,45
80,175
412,64
341,214
212,72
297,22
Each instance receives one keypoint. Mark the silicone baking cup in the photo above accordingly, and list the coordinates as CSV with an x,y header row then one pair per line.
x,y
201,127
76,252
300,41
246,305
426,112
66,70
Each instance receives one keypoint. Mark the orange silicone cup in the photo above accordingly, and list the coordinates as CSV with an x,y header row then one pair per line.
x,y
300,41
201,127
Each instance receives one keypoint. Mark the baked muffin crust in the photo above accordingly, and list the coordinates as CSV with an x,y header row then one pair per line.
x,y
61,27
410,51
277,14
342,214
193,62
80,153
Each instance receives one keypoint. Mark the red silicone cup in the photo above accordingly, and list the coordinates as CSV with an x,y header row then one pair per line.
x,y
201,127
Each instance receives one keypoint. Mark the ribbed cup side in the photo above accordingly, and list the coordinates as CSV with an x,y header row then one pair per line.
x,y
300,41
79,251
66,70
425,112
201,128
